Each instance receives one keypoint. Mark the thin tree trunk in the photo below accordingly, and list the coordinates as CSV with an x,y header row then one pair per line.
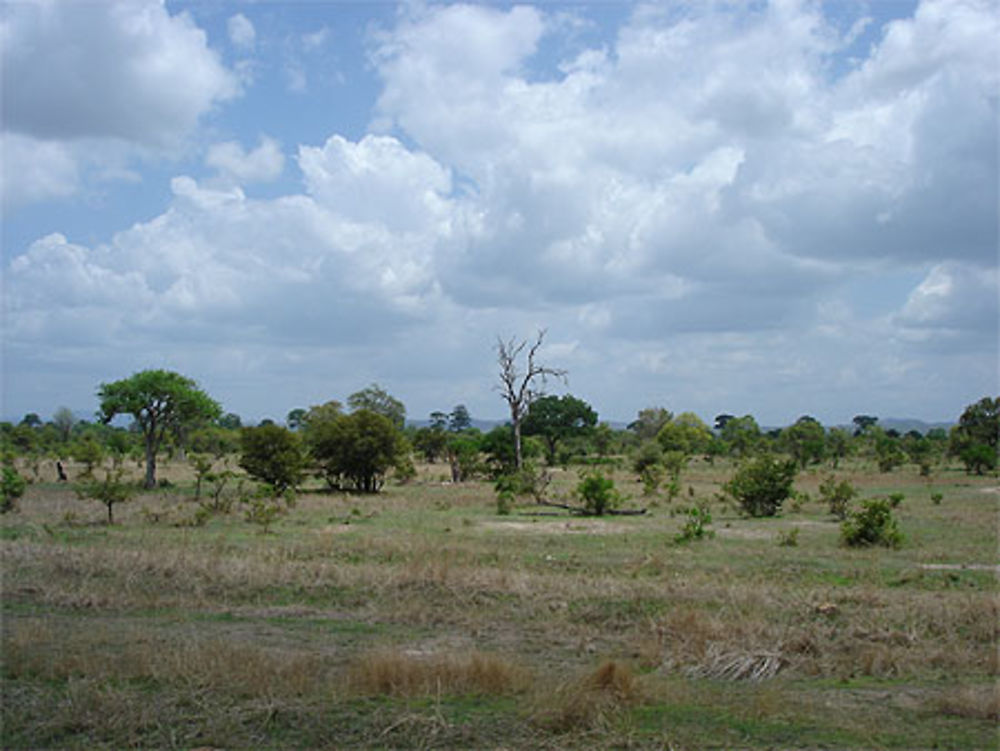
x,y
150,466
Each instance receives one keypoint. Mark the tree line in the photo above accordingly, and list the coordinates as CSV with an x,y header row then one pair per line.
x,y
357,445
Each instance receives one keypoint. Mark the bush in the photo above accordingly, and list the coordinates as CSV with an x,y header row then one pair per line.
x,y
698,517
760,486
272,454
874,524
979,458
12,487
598,494
110,491
788,538
837,495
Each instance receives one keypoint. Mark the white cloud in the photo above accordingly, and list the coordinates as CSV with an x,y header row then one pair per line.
x,y
115,70
241,31
377,180
263,164
33,170
691,210
82,81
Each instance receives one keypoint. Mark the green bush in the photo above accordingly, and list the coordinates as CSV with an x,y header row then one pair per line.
x,y
110,491
12,487
979,458
698,517
598,494
837,495
874,524
272,454
760,486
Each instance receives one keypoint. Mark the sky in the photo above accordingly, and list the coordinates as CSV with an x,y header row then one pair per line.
x,y
769,208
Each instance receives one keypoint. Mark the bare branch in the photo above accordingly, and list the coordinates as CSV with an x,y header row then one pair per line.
x,y
517,388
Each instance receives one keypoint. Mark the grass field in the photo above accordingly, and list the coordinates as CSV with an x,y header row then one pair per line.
x,y
419,618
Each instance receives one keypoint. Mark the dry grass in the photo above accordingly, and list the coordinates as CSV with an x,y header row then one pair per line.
x,y
392,672
977,702
421,597
594,700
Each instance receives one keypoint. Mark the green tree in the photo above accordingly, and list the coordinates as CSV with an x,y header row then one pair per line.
x,y
761,485
649,422
110,491
272,454
430,442
360,447
838,445
462,450
685,433
230,421
12,487
603,438
294,418
888,453
64,421
556,418
376,399
161,402
974,439
741,435
89,452
863,423
459,419
805,441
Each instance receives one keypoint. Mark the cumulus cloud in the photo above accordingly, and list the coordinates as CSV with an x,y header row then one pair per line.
x,y
242,34
117,70
82,79
263,164
34,170
694,203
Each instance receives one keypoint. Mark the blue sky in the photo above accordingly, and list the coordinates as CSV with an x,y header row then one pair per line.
x,y
774,208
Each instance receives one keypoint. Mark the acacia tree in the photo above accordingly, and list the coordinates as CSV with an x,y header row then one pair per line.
x,y
161,402
519,388
556,418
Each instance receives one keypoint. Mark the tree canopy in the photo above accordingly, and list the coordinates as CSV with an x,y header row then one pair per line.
x,y
555,418
161,402
376,399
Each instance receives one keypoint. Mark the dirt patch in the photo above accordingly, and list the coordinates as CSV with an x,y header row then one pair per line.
x,y
581,526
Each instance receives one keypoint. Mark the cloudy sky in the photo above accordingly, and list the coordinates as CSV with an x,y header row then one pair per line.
x,y
778,208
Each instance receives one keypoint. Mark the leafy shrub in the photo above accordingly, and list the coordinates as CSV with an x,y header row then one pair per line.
x,y
598,493
895,499
272,454
647,456
788,538
979,458
874,524
12,487
698,517
837,495
761,485
111,491
936,498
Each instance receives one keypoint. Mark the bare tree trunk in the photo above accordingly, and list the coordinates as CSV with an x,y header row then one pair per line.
x,y
516,387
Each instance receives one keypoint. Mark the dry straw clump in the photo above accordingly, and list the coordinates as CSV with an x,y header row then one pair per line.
x,y
595,700
393,672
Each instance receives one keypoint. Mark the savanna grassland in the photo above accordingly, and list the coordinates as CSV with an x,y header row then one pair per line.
x,y
419,618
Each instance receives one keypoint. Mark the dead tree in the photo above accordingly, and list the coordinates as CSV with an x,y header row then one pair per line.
x,y
519,388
